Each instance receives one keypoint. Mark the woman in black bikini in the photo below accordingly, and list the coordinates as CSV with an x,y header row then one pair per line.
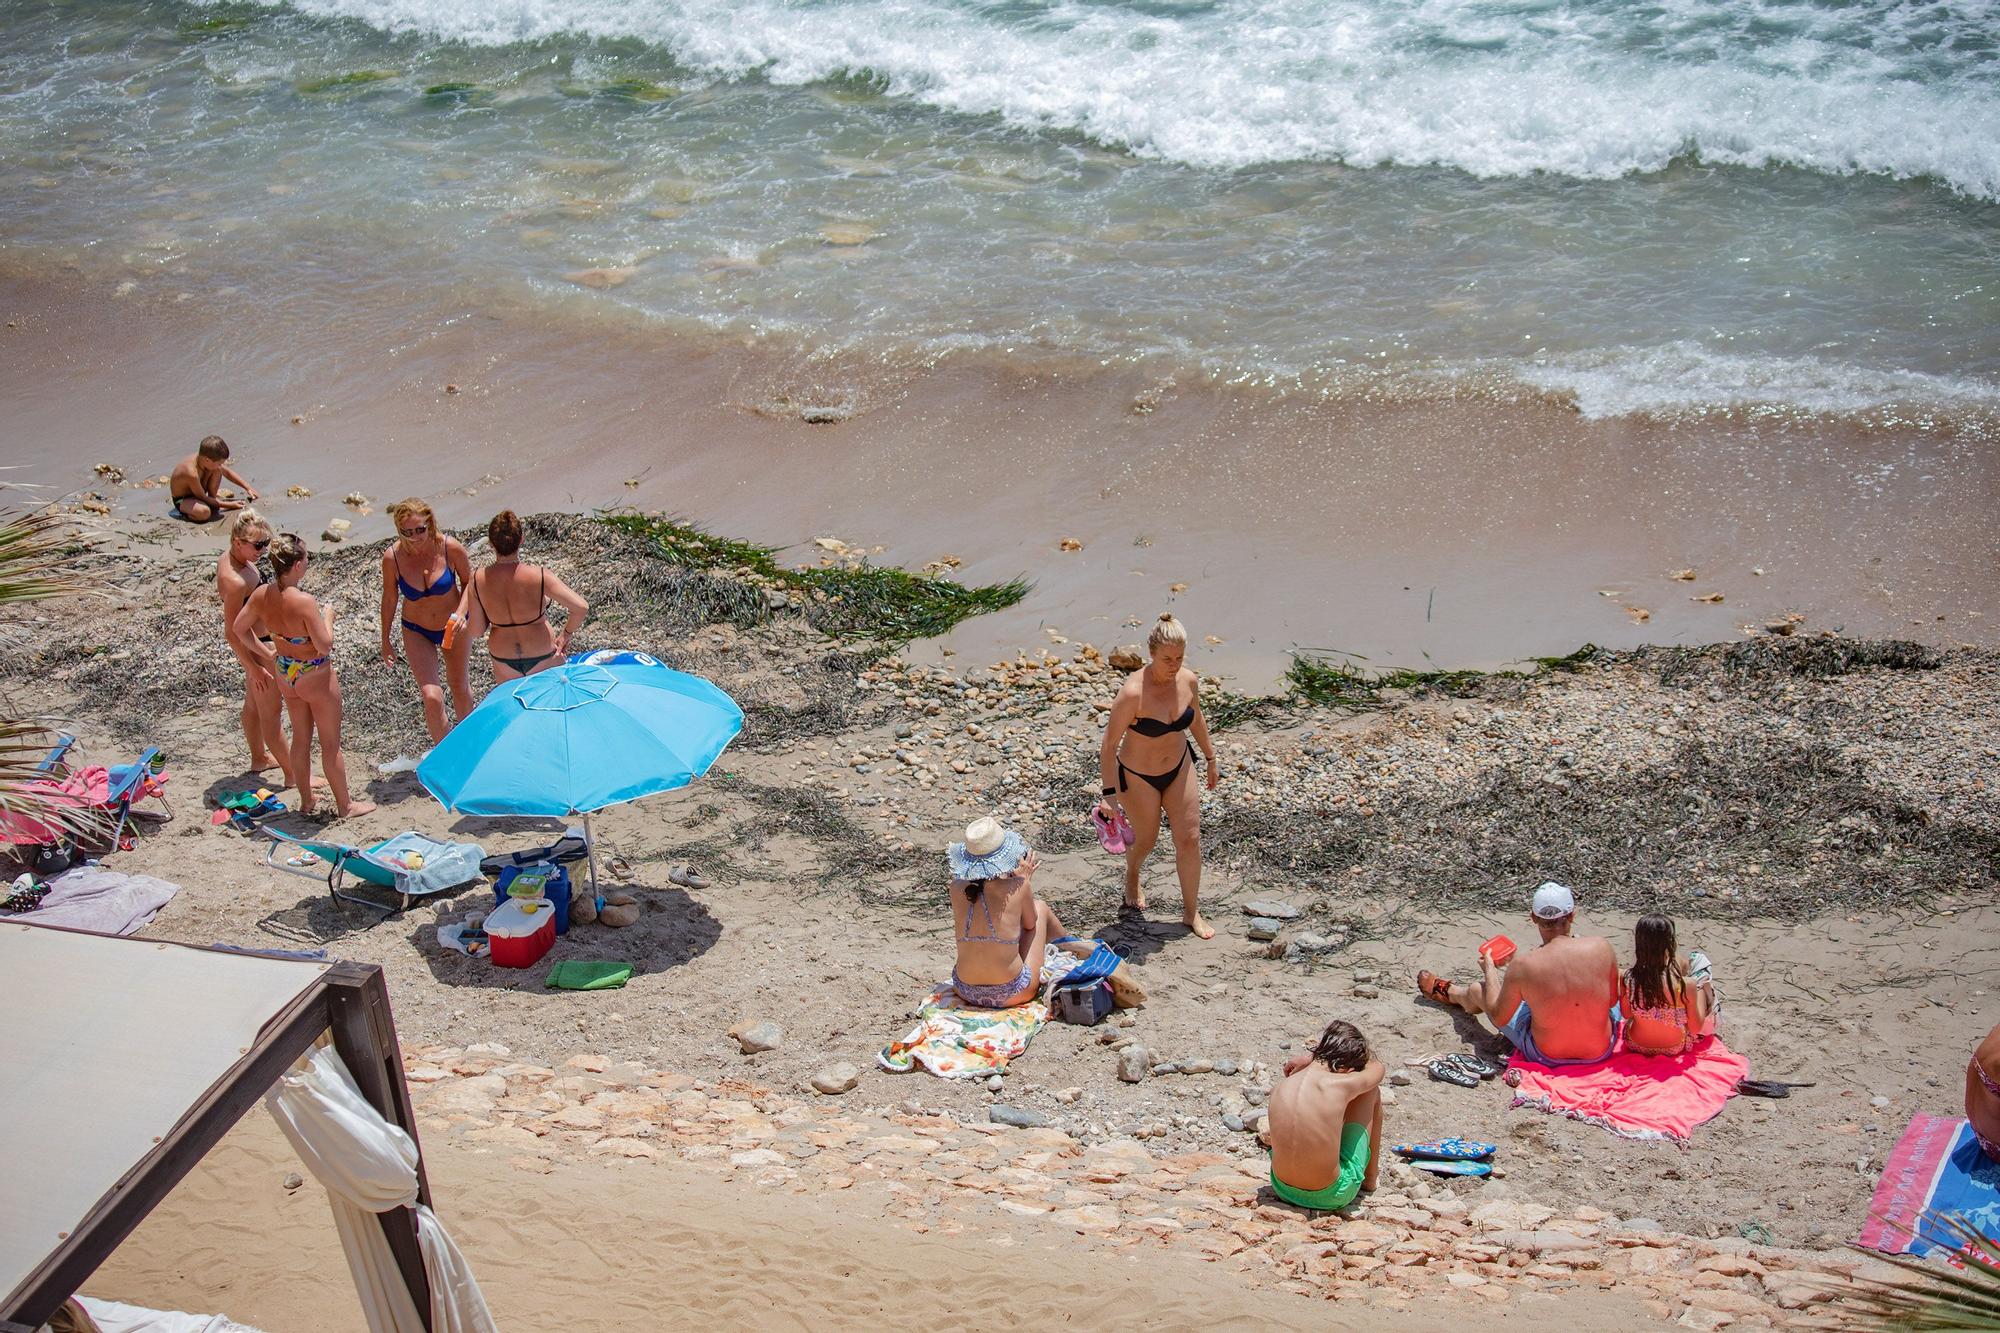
x,y
428,571
511,600
1148,765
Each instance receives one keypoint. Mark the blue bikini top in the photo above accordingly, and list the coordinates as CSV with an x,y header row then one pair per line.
x,y
445,583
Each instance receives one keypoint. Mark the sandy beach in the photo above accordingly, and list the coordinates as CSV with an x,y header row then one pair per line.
x,y
1746,789
1420,533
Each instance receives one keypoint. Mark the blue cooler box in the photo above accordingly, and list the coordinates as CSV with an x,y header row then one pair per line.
x,y
557,890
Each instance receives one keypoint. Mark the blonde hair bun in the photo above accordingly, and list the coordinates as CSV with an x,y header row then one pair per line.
x,y
1166,630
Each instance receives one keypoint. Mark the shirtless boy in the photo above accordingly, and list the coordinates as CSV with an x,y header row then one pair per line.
x,y
1557,1001
236,577
1326,1122
196,482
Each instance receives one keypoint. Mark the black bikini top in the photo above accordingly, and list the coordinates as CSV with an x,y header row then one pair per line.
x,y
1152,726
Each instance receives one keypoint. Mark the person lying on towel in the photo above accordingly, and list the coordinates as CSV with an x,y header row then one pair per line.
x,y
1557,1003
1001,926
1326,1121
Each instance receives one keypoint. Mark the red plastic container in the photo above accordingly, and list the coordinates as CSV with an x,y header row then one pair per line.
x,y
520,937
1500,949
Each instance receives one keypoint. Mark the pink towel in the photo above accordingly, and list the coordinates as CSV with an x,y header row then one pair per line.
x,y
1637,1096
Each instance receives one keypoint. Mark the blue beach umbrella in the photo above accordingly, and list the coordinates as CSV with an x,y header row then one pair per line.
x,y
578,738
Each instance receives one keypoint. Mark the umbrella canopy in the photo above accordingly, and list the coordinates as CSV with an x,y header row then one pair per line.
x,y
578,738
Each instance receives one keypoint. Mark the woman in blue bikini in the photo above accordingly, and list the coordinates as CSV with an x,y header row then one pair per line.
x,y
426,570
1002,928
1147,763
299,656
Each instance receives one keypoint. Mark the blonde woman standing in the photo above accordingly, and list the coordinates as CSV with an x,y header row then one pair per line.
x,y
1147,765
236,577
300,659
427,571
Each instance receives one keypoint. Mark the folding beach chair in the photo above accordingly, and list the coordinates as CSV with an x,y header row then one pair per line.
x,y
111,792
441,867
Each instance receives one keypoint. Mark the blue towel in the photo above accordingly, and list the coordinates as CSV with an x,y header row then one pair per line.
x,y
1103,961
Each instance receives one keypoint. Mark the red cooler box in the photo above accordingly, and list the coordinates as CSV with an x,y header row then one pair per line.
x,y
521,931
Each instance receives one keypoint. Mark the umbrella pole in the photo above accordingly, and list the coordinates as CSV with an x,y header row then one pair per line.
x,y
590,850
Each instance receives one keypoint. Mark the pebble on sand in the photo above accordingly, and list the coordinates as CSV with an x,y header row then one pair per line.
x,y
758,1035
835,1079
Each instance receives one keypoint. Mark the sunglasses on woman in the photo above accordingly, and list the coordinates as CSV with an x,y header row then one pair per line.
x,y
417,531
255,546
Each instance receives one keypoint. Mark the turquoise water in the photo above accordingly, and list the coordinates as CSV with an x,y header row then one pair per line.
x,y
1676,208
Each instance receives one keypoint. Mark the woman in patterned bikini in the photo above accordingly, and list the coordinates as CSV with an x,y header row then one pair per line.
x,y
1982,1094
1002,927
301,658
427,570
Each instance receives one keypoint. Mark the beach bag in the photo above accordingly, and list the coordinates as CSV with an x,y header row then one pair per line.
x,y
1085,1005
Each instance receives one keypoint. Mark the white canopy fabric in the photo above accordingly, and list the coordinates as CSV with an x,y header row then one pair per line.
x,y
370,1166
113,1041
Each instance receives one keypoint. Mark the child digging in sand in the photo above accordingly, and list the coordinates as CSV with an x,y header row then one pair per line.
x,y
196,482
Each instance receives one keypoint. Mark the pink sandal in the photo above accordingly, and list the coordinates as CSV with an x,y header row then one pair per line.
x,y
1113,831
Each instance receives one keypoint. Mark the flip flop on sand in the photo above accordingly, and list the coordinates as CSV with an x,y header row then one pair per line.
x,y
686,876
1431,986
1446,1071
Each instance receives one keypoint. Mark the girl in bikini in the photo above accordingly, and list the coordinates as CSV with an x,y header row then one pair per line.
x,y
511,600
427,571
300,658
1148,769
1666,1011
1002,927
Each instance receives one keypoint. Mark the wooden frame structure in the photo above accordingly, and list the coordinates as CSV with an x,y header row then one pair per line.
x,y
350,1001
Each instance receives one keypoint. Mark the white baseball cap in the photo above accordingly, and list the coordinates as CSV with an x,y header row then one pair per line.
x,y
1553,902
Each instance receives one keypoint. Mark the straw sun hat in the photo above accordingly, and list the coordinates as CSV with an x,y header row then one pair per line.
x,y
988,852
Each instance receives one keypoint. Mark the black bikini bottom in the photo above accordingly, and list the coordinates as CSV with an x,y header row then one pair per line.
x,y
1160,781
524,665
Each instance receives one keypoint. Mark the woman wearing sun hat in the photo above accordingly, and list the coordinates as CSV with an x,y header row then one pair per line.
x,y
1002,928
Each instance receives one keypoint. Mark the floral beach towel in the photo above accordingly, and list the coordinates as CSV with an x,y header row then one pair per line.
x,y
953,1041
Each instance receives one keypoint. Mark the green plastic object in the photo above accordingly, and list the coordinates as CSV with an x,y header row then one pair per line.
x,y
574,974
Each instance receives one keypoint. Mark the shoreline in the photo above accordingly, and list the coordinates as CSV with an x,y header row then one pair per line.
x,y
1429,535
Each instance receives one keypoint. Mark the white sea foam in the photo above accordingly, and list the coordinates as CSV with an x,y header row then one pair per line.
x,y
1684,377
1590,89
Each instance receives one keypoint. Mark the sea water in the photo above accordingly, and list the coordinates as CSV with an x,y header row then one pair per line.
x,y
1684,207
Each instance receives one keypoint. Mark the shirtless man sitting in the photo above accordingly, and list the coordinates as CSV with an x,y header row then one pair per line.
x,y
1326,1122
1558,1002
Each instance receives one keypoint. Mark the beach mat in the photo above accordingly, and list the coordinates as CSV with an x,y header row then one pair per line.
x,y
1636,1096
1936,1167
106,901
953,1041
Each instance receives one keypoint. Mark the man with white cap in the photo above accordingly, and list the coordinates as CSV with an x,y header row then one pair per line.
x,y
1558,1002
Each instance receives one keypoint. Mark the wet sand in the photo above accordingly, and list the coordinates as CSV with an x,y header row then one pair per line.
x,y
1448,533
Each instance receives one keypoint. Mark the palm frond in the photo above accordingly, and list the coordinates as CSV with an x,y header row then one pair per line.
x,y
1933,1297
36,564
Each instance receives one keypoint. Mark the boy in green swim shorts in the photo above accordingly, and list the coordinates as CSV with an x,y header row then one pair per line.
x,y
1326,1121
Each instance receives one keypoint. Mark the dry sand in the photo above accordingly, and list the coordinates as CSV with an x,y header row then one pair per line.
x,y
603,1246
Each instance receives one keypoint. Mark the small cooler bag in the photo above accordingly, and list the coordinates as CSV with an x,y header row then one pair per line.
x,y
1086,1004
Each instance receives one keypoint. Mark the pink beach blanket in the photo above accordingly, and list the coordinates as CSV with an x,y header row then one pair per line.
x,y
1637,1096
